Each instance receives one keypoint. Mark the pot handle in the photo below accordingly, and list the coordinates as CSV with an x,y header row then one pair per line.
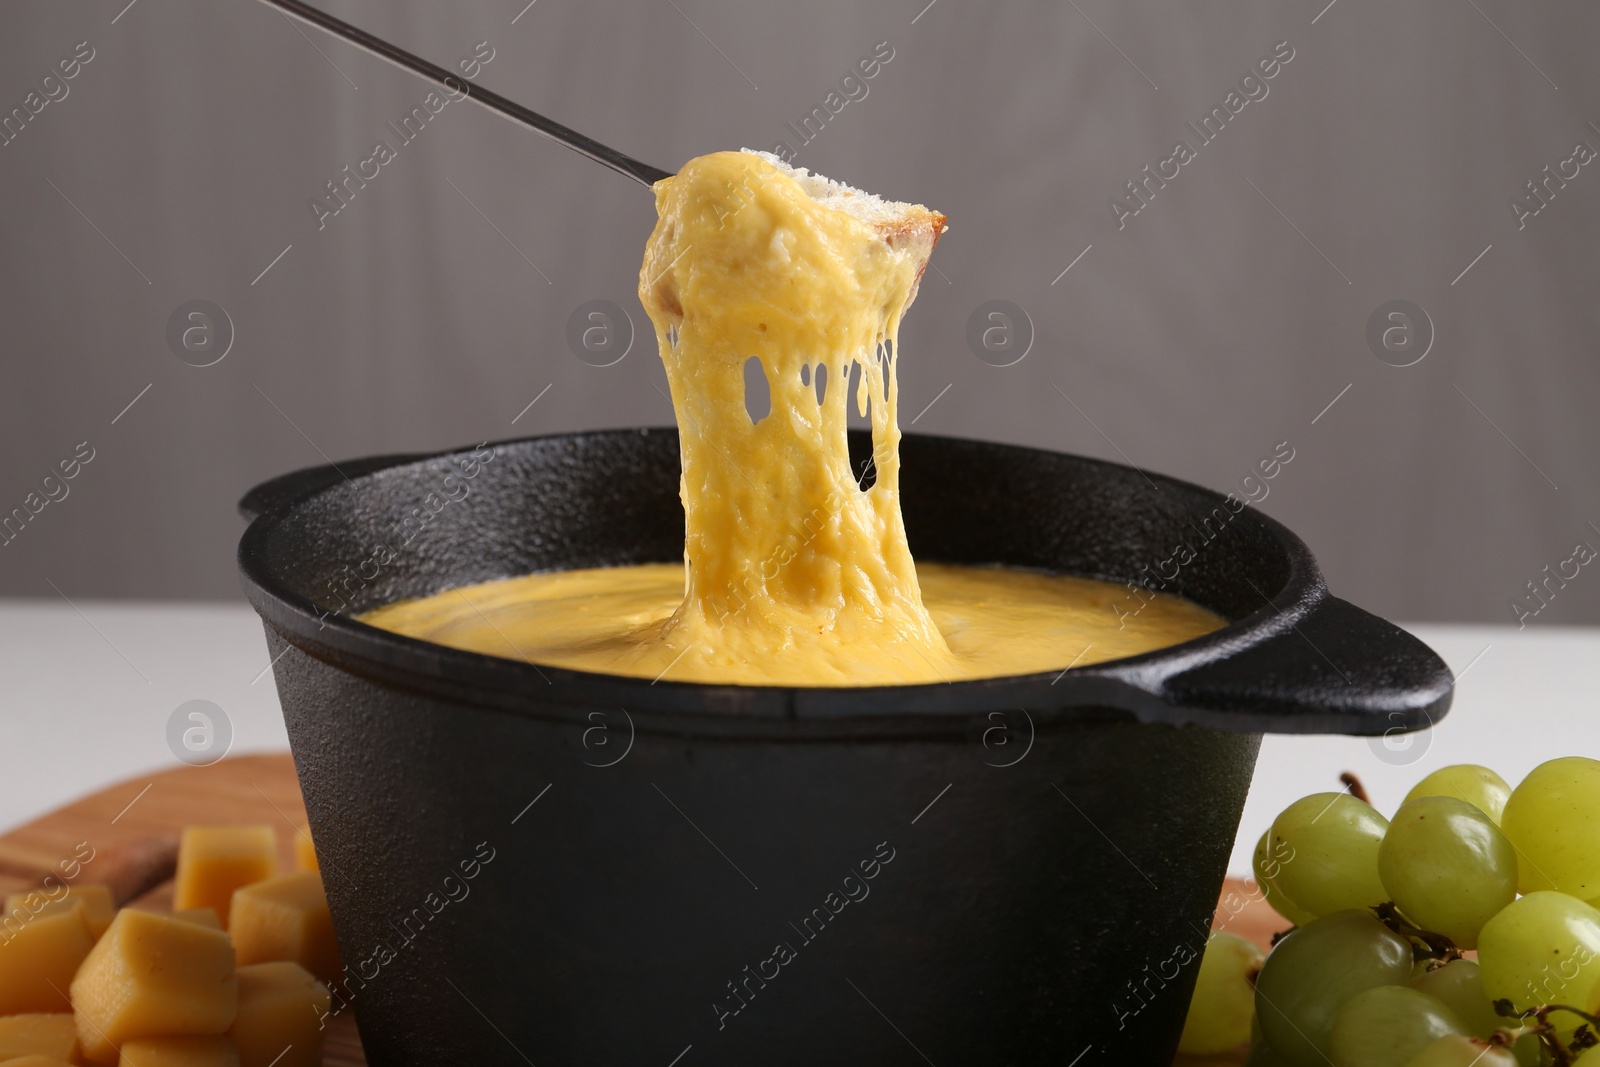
x,y
297,485
1336,669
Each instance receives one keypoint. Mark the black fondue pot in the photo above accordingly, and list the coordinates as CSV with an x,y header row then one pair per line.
x,y
531,864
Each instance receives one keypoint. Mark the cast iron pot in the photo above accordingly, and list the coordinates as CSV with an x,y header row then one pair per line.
x,y
529,864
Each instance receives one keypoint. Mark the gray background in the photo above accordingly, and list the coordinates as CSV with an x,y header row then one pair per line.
x,y
1208,330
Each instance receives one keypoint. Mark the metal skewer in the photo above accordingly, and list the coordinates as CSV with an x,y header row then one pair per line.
x,y
642,173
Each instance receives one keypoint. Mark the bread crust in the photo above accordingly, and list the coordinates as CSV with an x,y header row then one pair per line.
x,y
909,228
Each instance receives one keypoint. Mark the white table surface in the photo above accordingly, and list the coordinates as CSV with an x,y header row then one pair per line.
x,y
86,690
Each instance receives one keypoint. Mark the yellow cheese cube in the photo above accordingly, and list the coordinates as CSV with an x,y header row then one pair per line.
x,y
153,976
204,916
280,1016
305,851
38,958
38,1035
98,905
37,1061
179,1052
213,861
20,907
286,918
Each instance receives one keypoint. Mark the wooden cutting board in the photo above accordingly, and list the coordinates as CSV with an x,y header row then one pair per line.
x,y
133,830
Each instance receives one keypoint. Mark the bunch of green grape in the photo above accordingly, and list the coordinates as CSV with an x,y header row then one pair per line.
x,y
1388,914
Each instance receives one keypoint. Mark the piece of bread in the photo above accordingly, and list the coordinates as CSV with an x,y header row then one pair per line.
x,y
911,229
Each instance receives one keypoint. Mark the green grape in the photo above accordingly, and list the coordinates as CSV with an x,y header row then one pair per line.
x,y
1387,1026
1590,1058
1553,818
1458,1051
1530,1052
1543,949
1459,985
1309,975
1478,786
1329,848
1266,867
1224,1002
1447,867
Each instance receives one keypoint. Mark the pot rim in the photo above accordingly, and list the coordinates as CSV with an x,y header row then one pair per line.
x,y
1143,684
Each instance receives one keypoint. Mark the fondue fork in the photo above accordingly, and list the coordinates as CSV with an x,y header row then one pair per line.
x,y
642,173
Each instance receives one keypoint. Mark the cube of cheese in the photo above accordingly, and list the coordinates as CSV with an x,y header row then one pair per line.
x,y
38,958
203,916
281,1007
24,906
53,1036
99,907
213,861
305,851
153,976
179,1052
286,918
37,1061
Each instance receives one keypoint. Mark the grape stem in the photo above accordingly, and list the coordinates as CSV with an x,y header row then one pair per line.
x,y
1437,946
1357,790
1561,1055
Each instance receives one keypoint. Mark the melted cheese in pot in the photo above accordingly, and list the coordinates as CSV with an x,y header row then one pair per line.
x,y
994,621
792,573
